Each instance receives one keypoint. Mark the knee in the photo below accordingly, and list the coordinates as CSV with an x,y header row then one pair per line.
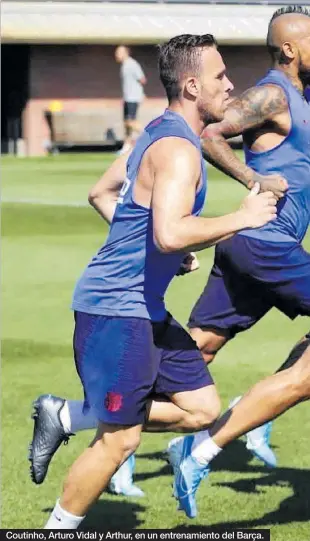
x,y
209,342
128,444
121,444
205,416
208,356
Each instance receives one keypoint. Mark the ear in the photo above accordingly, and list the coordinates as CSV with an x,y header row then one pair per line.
x,y
192,86
289,50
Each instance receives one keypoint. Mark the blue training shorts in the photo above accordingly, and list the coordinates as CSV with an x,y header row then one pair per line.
x,y
248,278
122,361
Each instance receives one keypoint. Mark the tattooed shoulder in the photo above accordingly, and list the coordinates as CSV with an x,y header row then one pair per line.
x,y
263,102
252,109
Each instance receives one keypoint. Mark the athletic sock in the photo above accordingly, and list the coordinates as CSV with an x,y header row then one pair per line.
x,y
73,419
204,449
254,437
62,520
234,402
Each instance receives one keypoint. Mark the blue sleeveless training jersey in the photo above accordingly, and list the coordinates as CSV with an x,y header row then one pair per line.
x,y
128,277
291,158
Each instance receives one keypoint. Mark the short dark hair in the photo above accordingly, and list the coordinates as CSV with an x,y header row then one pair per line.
x,y
180,56
275,51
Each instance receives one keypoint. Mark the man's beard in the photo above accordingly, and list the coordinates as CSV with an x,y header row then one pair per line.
x,y
306,80
206,115
304,75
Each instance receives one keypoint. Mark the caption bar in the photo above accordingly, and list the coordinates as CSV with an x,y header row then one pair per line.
x,y
137,535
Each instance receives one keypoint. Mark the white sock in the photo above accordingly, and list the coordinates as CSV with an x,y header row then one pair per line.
x,y
234,402
62,520
204,449
73,419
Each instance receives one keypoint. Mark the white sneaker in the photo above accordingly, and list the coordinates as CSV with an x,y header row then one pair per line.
x,y
258,441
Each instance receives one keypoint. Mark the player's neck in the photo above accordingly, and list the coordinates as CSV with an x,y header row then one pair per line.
x,y
190,115
292,75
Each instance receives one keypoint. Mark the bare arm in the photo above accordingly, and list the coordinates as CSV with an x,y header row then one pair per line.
x,y
140,74
103,196
253,109
174,189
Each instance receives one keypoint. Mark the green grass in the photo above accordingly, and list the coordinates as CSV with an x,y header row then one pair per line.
x,y
45,248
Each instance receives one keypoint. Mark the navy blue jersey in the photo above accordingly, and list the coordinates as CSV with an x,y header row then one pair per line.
x,y
291,159
129,276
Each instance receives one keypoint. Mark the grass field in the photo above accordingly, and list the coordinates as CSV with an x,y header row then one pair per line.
x,y
48,236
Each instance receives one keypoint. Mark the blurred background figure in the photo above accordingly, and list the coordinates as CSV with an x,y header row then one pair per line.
x,y
133,81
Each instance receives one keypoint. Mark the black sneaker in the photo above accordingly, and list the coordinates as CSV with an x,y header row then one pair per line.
x,y
48,435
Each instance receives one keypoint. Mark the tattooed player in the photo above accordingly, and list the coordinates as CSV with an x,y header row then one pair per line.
x,y
211,327
259,269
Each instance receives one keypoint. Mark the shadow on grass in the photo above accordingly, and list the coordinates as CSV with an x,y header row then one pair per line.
x,y
295,508
111,514
120,513
236,458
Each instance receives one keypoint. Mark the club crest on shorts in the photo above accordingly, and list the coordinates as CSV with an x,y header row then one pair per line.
x,y
113,401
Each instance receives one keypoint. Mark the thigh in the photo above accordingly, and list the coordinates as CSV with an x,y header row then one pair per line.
x,y
203,399
117,364
291,287
182,367
281,270
230,302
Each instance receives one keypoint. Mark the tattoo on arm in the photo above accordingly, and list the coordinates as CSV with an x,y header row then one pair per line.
x,y
254,107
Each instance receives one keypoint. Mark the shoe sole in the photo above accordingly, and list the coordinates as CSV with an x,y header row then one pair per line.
x,y
34,416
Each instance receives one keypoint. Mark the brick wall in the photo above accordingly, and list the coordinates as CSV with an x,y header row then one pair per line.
x,y
86,77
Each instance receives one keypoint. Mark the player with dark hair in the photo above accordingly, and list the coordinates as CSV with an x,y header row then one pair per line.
x,y
255,271
127,347
70,417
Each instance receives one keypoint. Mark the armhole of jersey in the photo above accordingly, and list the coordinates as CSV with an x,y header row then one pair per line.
x,y
132,182
203,177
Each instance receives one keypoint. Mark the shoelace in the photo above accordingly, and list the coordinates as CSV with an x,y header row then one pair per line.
x,y
193,490
67,438
180,479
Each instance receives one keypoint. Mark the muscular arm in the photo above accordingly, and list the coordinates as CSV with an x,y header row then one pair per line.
x,y
253,109
176,166
103,196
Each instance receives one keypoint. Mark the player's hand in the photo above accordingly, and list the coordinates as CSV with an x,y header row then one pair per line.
x,y
272,183
258,208
190,263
